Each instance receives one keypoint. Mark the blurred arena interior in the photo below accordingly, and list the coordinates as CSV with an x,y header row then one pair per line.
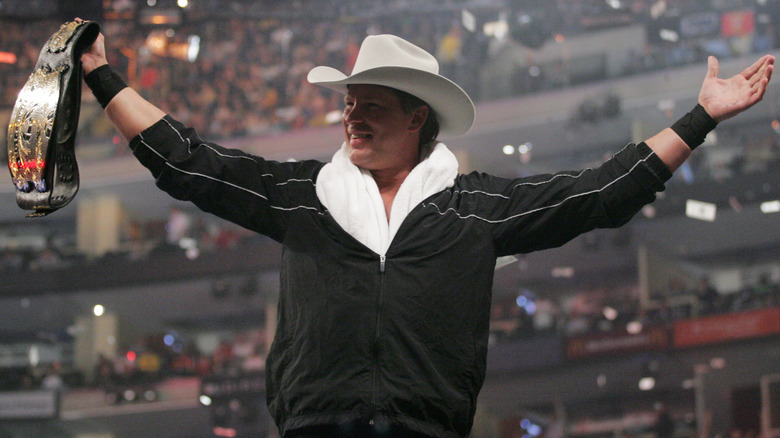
x,y
128,314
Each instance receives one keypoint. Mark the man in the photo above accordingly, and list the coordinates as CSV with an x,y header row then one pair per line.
x,y
388,253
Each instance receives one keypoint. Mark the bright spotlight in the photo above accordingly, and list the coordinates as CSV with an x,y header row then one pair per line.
x,y
647,383
98,310
770,207
610,313
193,48
525,148
704,211
634,327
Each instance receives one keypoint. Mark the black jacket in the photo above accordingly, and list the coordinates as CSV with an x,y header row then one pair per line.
x,y
401,338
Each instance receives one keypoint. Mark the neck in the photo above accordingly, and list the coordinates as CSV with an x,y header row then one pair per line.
x,y
390,180
388,183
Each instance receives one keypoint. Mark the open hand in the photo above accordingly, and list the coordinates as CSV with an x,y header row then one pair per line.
x,y
725,98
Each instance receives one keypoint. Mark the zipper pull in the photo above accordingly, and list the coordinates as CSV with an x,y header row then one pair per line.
x,y
382,263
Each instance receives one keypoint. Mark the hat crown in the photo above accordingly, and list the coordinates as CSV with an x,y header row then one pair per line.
x,y
390,61
378,51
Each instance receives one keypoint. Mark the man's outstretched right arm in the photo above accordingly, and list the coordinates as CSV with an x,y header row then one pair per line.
x,y
128,111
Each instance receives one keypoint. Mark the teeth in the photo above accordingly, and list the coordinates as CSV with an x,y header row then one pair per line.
x,y
360,135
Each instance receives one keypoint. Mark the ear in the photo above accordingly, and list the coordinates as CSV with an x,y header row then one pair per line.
x,y
419,117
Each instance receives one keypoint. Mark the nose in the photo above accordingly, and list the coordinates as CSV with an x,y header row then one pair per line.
x,y
352,114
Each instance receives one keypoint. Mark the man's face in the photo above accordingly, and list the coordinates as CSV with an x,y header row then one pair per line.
x,y
379,134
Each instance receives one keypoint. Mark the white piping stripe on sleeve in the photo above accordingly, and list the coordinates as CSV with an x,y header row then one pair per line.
x,y
558,175
547,207
167,163
252,159
537,183
284,183
525,213
177,133
245,157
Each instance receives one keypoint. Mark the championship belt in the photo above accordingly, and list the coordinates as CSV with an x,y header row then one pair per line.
x,y
44,120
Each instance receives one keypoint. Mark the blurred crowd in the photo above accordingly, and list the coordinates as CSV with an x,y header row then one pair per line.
x,y
613,309
249,77
152,358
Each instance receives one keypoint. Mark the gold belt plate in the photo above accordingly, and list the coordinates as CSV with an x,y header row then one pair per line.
x,y
30,128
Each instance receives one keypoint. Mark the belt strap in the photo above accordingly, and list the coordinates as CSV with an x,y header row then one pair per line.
x,y
42,131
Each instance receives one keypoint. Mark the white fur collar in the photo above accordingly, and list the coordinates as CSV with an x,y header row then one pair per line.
x,y
352,196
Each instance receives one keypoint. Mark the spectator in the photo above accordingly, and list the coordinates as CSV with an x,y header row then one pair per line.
x,y
708,297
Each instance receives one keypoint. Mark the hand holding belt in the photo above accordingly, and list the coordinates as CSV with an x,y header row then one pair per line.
x,y
42,131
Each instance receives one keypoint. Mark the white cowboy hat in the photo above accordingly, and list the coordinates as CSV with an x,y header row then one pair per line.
x,y
394,62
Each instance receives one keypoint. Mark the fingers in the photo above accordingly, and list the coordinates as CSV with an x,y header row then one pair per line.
x,y
770,67
758,67
760,79
759,87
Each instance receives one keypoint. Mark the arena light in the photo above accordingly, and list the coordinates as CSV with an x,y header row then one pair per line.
x,y
194,48
498,29
7,58
634,327
468,20
646,383
562,272
34,356
704,211
98,310
508,149
525,148
610,313
717,363
227,432
160,17
157,42
333,117
770,207
669,35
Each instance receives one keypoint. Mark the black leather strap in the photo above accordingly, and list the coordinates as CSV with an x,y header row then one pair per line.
x,y
42,131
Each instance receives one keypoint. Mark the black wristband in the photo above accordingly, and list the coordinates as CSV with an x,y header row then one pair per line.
x,y
694,126
105,83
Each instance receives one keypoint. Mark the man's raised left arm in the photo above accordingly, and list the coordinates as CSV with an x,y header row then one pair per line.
x,y
719,99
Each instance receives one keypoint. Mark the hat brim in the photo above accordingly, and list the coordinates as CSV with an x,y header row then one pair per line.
x,y
452,105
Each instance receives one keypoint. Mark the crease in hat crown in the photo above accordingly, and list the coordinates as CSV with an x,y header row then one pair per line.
x,y
393,62
392,51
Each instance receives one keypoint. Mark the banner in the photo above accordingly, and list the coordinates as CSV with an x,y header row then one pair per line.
x,y
652,338
723,328
737,23
29,405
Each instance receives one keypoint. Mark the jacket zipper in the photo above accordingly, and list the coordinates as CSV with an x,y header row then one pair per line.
x,y
375,380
